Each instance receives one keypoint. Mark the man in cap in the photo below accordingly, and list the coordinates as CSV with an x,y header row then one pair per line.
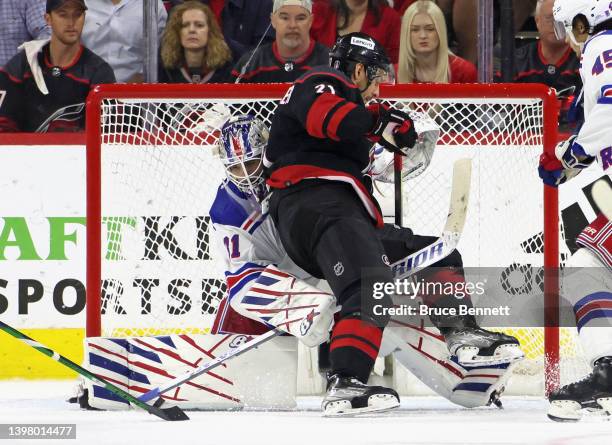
x,y
45,85
291,54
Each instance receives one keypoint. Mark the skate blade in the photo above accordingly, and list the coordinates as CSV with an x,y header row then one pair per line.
x,y
564,411
504,354
571,411
606,405
376,404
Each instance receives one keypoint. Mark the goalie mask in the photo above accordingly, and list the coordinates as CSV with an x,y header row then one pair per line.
x,y
240,148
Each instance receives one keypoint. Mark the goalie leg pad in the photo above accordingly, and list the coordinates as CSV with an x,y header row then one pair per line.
x,y
422,350
283,301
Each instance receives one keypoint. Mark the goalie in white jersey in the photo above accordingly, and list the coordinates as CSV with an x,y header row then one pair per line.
x,y
260,274
587,26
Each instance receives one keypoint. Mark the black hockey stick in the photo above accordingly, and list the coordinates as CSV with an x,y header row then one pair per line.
x,y
413,263
173,413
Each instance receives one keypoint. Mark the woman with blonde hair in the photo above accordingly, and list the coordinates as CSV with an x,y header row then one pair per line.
x,y
424,55
193,49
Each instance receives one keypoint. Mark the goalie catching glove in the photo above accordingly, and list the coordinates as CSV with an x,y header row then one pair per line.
x,y
393,129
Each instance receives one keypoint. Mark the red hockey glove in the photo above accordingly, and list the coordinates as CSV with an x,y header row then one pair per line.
x,y
551,170
393,129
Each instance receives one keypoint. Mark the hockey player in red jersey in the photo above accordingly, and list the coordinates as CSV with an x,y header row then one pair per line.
x,y
329,222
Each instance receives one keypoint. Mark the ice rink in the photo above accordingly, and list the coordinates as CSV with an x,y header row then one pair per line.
x,y
421,420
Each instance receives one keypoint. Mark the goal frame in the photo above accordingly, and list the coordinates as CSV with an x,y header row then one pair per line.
x,y
276,91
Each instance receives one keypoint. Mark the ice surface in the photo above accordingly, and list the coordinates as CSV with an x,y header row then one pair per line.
x,y
420,420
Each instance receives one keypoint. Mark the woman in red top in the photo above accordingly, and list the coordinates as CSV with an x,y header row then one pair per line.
x,y
376,18
424,54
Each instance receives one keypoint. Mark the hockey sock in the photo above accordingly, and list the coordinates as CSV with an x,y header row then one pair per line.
x,y
354,347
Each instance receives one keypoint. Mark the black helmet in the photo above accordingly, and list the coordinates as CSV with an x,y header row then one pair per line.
x,y
358,47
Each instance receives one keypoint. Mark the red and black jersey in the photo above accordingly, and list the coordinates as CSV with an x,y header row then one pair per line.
x,y
268,66
25,108
319,132
531,67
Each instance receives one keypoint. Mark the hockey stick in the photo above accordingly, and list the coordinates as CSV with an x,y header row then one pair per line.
x,y
602,195
451,234
173,413
419,260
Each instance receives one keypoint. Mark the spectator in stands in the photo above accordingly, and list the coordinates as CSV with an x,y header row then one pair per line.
x,y
20,21
549,61
243,22
465,22
424,54
376,18
291,54
192,48
46,84
114,31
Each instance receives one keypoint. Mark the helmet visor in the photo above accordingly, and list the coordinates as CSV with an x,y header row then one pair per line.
x,y
383,74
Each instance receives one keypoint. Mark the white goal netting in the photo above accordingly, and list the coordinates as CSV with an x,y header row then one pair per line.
x,y
160,268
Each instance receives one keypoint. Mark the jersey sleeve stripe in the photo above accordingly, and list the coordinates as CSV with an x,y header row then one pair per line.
x,y
337,118
319,110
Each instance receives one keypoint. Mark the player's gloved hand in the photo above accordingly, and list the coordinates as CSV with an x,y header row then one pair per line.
x,y
393,129
551,170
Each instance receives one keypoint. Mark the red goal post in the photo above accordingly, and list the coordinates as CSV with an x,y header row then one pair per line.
x,y
125,117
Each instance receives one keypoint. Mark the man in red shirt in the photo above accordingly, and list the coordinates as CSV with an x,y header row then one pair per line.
x,y
372,17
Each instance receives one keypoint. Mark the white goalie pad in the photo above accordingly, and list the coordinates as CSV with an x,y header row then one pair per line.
x,y
283,301
417,158
265,378
423,351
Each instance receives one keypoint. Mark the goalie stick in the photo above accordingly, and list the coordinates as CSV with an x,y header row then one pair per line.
x,y
173,413
413,263
602,194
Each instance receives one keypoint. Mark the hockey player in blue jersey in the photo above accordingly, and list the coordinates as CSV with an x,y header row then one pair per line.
x,y
586,25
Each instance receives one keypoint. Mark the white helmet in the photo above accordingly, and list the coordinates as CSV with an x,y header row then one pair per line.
x,y
243,139
594,11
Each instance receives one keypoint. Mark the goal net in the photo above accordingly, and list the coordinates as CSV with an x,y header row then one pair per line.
x,y
154,269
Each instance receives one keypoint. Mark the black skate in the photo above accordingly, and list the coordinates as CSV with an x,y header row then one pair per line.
x,y
475,346
347,396
592,394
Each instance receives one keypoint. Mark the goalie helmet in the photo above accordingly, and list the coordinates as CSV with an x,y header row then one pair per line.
x,y
240,147
358,47
565,11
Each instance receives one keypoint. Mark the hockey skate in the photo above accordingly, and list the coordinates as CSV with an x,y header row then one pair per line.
x,y
347,396
474,346
592,394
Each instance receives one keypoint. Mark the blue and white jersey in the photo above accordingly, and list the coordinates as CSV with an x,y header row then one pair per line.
x,y
246,240
595,136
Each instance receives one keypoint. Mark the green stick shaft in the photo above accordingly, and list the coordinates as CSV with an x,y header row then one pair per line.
x,y
162,413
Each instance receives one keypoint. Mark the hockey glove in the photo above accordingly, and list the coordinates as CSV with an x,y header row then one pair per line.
x,y
569,160
550,170
393,129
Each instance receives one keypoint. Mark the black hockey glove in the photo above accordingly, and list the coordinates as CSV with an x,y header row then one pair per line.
x,y
393,129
